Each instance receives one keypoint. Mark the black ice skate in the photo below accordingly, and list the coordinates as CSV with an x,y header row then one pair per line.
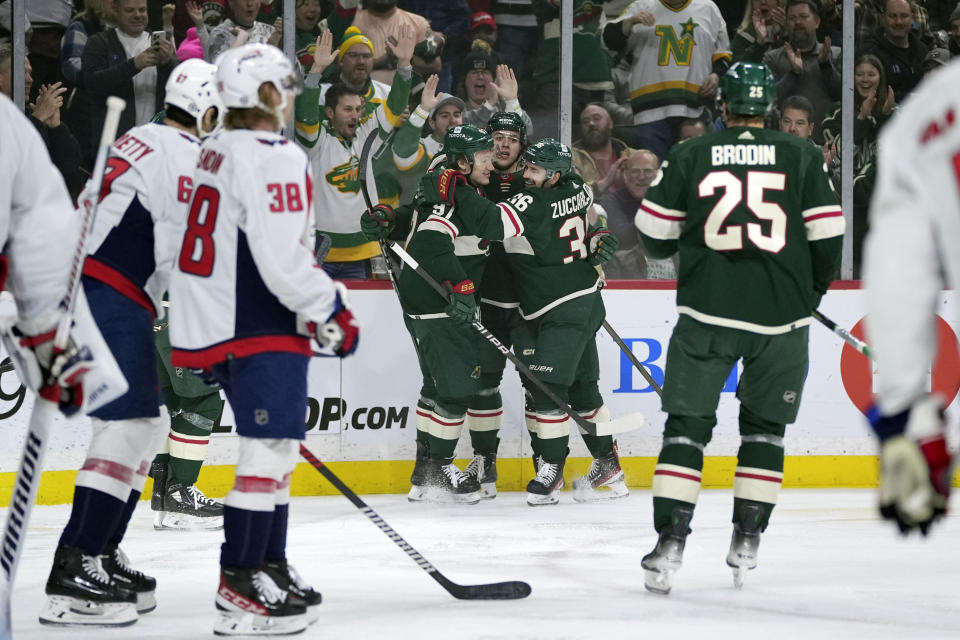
x,y
250,603
545,488
185,507
483,468
604,481
289,579
660,564
445,482
117,565
742,556
81,593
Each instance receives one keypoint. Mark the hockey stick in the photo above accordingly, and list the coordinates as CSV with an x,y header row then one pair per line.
x,y
512,590
364,160
636,363
628,422
848,337
45,407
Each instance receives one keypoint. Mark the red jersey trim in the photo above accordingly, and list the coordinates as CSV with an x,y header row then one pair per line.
x,y
93,268
239,348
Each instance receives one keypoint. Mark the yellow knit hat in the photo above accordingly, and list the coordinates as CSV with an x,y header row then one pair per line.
x,y
351,37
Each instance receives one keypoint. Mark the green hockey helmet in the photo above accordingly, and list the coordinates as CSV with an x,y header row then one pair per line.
x,y
552,155
508,121
464,141
748,88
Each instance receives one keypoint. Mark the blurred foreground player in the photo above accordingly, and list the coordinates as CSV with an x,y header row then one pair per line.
x,y
911,254
246,297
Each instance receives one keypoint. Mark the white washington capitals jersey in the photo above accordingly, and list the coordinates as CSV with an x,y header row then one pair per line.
x,y
913,248
245,279
147,185
39,229
673,57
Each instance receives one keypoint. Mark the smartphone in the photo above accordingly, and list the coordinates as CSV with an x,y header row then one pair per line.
x,y
157,36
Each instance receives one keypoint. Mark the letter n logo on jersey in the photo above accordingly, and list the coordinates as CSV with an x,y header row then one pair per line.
x,y
681,48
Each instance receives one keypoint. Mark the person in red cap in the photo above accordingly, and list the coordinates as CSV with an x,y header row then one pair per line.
x,y
483,27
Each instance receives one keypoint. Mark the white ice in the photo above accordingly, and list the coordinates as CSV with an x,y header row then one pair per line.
x,y
828,569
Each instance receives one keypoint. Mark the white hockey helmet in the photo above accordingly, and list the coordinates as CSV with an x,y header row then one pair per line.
x,y
241,71
192,88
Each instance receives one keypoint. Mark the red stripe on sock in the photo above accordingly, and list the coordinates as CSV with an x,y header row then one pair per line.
x,y
253,484
109,468
754,476
677,474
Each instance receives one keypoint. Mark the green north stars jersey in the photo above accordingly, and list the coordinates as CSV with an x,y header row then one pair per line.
x,y
498,287
548,262
757,225
451,243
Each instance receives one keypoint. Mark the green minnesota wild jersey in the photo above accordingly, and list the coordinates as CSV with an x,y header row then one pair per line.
x,y
451,243
498,288
756,223
548,262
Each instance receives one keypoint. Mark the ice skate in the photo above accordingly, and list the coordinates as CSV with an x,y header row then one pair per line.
x,y
289,579
483,468
443,481
545,488
81,593
250,603
117,565
604,481
185,507
660,564
742,556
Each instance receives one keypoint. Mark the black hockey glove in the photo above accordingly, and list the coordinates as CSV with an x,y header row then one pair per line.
x,y
378,222
603,246
462,305
915,466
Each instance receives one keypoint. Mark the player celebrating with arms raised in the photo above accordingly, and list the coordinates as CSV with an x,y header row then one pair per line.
x,y
247,256
759,233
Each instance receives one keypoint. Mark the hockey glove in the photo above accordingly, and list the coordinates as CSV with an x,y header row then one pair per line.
x,y
441,186
378,222
603,246
461,306
915,466
340,333
61,372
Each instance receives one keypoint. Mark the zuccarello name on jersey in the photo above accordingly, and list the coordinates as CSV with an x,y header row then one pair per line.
x,y
574,204
749,154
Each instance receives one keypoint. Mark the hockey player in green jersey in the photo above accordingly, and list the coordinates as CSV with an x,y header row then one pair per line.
x,y
759,234
558,289
498,306
452,226
194,408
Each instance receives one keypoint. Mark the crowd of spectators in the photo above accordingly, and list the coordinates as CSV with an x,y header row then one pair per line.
x,y
639,87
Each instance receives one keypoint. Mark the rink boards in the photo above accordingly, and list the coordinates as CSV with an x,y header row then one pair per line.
x,y
369,435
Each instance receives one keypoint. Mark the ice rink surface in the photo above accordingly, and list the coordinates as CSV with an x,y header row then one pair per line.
x,y
828,569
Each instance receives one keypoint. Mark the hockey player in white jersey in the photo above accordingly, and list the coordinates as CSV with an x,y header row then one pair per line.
x,y
246,298
146,188
912,252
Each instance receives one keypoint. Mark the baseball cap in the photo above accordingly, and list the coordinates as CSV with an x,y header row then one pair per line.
x,y
481,18
479,60
935,58
445,99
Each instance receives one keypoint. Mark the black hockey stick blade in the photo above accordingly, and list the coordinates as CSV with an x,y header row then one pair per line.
x,y
510,590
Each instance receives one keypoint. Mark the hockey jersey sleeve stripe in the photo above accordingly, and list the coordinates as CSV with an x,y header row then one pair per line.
x,y
665,86
721,55
406,163
510,220
238,348
93,268
818,212
436,223
825,225
657,225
